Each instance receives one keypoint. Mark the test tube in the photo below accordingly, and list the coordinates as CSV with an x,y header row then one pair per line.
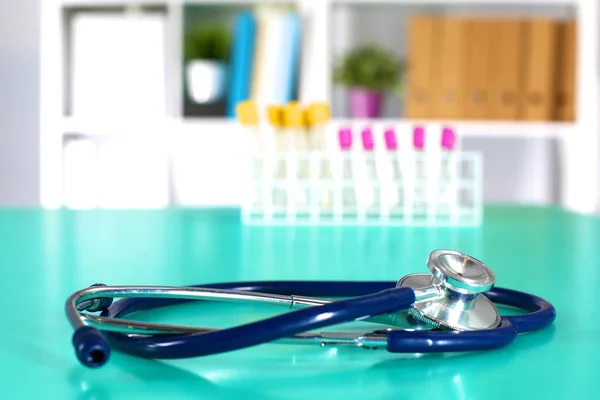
x,y
345,142
419,146
448,139
297,137
433,179
295,133
278,140
449,169
278,159
317,119
247,114
370,168
390,171
347,176
318,116
391,145
436,167
414,175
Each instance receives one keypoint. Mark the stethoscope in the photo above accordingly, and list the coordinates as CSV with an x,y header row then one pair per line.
x,y
450,310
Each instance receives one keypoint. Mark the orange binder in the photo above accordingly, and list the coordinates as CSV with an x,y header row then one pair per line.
x,y
540,67
505,69
479,49
422,60
450,96
565,92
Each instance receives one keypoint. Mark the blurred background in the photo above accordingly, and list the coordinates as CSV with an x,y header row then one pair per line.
x,y
129,104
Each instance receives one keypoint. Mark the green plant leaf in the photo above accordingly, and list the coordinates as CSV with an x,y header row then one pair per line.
x,y
369,66
207,42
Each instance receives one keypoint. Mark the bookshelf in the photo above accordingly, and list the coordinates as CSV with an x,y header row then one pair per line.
x,y
335,22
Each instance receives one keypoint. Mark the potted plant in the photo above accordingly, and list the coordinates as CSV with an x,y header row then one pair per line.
x,y
206,50
369,72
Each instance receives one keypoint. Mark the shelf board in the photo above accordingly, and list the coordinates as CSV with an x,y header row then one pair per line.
x,y
164,127
118,127
114,127
142,3
113,3
101,3
223,2
460,2
483,129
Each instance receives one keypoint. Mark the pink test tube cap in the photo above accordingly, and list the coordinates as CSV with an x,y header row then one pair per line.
x,y
390,139
419,138
345,138
448,138
367,139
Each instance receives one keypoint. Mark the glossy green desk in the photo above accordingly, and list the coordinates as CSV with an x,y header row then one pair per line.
x,y
45,256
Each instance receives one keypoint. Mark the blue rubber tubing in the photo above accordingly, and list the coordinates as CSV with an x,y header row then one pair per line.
x,y
367,298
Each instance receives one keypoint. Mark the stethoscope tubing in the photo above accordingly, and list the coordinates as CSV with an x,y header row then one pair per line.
x,y
367,299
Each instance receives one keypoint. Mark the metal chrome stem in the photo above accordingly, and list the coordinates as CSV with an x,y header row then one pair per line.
x,y
370,340
429,293
449,297
85,298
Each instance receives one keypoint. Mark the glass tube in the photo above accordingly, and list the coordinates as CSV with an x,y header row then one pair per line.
x,y
318,116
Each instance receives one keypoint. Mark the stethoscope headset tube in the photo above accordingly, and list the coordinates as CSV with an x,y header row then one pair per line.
x,y
455,301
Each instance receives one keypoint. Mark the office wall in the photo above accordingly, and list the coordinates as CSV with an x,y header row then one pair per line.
x,y
19,102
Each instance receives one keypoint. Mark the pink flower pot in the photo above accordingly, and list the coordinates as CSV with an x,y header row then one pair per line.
x,y
365,103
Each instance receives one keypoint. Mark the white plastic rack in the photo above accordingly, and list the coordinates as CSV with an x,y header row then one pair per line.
x,y
400,187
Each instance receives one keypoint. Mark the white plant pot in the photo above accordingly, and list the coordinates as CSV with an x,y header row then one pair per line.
x,y
206,80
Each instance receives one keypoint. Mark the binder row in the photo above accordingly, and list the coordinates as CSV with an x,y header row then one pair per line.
x,y
492,68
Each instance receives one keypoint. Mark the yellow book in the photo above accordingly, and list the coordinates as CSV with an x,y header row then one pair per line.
x,y
565,92
422,62
477,67
450,97
540,68
506,68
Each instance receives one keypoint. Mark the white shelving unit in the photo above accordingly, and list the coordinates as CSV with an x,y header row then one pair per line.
x,y
209,140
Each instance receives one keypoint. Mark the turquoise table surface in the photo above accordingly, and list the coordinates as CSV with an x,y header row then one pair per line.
x,y
47,255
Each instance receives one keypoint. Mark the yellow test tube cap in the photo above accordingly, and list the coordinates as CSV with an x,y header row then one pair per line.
x,y
274,113
318,113
247,112
306,116
292,115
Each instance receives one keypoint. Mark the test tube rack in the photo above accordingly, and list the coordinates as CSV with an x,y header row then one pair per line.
x,y
401,175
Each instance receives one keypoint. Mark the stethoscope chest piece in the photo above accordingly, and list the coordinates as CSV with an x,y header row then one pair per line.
x,y
460,280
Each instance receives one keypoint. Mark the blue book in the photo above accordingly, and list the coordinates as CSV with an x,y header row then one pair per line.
x,y
288,57
242,54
